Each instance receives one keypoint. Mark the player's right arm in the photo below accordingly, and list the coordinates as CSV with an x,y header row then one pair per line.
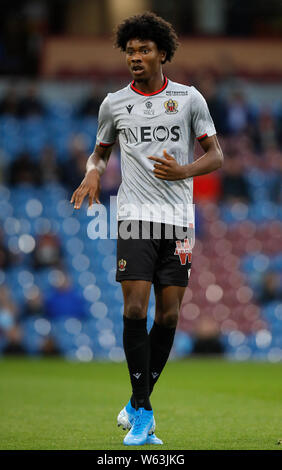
x,y
97,162
90,185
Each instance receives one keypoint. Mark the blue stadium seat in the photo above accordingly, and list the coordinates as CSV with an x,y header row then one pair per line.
x,y
32,341
183,344
10,137
34,135
87,128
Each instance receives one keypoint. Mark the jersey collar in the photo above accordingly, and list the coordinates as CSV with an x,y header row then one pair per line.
x,y
149,94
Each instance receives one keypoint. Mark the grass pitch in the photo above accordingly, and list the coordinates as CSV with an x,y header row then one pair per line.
x,y
198,404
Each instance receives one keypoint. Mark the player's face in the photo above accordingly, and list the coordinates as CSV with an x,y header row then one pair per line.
x,y
143,59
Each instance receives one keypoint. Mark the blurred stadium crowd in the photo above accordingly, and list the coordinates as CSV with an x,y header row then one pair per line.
x,y
58,293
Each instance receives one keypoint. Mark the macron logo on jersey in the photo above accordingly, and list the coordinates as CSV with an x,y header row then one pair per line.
x,y
129,108
151,134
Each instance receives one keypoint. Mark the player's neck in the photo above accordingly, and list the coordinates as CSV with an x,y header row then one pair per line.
x,y
151,85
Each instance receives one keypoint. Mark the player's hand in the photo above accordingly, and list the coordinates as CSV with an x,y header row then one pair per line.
x,y
90,185
167,168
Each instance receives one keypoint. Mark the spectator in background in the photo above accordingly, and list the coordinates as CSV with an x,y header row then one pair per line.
x,y
34,306
10,331
5,254
111,179
8,258
207,188
91,105
49,168
31,104
217,105
47,252
207,337
278,123
270,289
270,166
267,137
24,171
234,185
64,301
72,171
240,115
9,105
274,160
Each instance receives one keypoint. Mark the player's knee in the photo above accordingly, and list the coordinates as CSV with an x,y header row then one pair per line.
x,y
169,319
135,311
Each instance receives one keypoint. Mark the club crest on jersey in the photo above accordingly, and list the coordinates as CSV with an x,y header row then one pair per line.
x,y
171,106
183,250
121,265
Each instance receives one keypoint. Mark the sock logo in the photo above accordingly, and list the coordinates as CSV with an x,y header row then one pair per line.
x,y
155,375
137,375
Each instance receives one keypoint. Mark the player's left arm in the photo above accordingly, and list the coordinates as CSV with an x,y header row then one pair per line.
x,y
167,168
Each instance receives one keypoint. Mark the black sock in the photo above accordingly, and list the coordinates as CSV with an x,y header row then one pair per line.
x,y
161,341
137,351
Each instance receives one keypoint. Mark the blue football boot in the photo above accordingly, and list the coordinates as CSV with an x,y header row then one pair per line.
x,y
142,423
126,418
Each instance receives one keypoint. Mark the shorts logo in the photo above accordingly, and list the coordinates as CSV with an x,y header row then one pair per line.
x,y
121,265
171,106
183,251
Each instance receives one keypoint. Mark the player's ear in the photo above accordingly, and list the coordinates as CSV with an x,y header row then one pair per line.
x,y
163,56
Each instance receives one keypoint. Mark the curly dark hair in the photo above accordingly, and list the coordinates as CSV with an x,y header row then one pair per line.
x,y
148,26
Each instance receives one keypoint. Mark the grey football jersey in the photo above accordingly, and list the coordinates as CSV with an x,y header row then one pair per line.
x,y
146,124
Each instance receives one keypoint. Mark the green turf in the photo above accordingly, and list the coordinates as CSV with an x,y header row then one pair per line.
x,y
198,404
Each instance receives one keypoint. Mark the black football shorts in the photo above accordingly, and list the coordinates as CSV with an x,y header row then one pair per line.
x,y
161,255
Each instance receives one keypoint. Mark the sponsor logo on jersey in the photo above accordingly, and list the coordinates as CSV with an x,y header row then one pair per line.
x,y
171,106
149,111
176,93
121,265
151,134
129,108
183,250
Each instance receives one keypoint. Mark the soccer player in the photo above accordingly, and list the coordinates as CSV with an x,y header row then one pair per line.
x,y
156,121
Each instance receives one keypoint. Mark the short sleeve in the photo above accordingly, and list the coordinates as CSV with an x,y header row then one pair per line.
x,y
201,121
106,134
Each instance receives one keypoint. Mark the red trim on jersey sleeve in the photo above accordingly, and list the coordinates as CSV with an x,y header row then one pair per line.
x,y
106,145
149,94
202,137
